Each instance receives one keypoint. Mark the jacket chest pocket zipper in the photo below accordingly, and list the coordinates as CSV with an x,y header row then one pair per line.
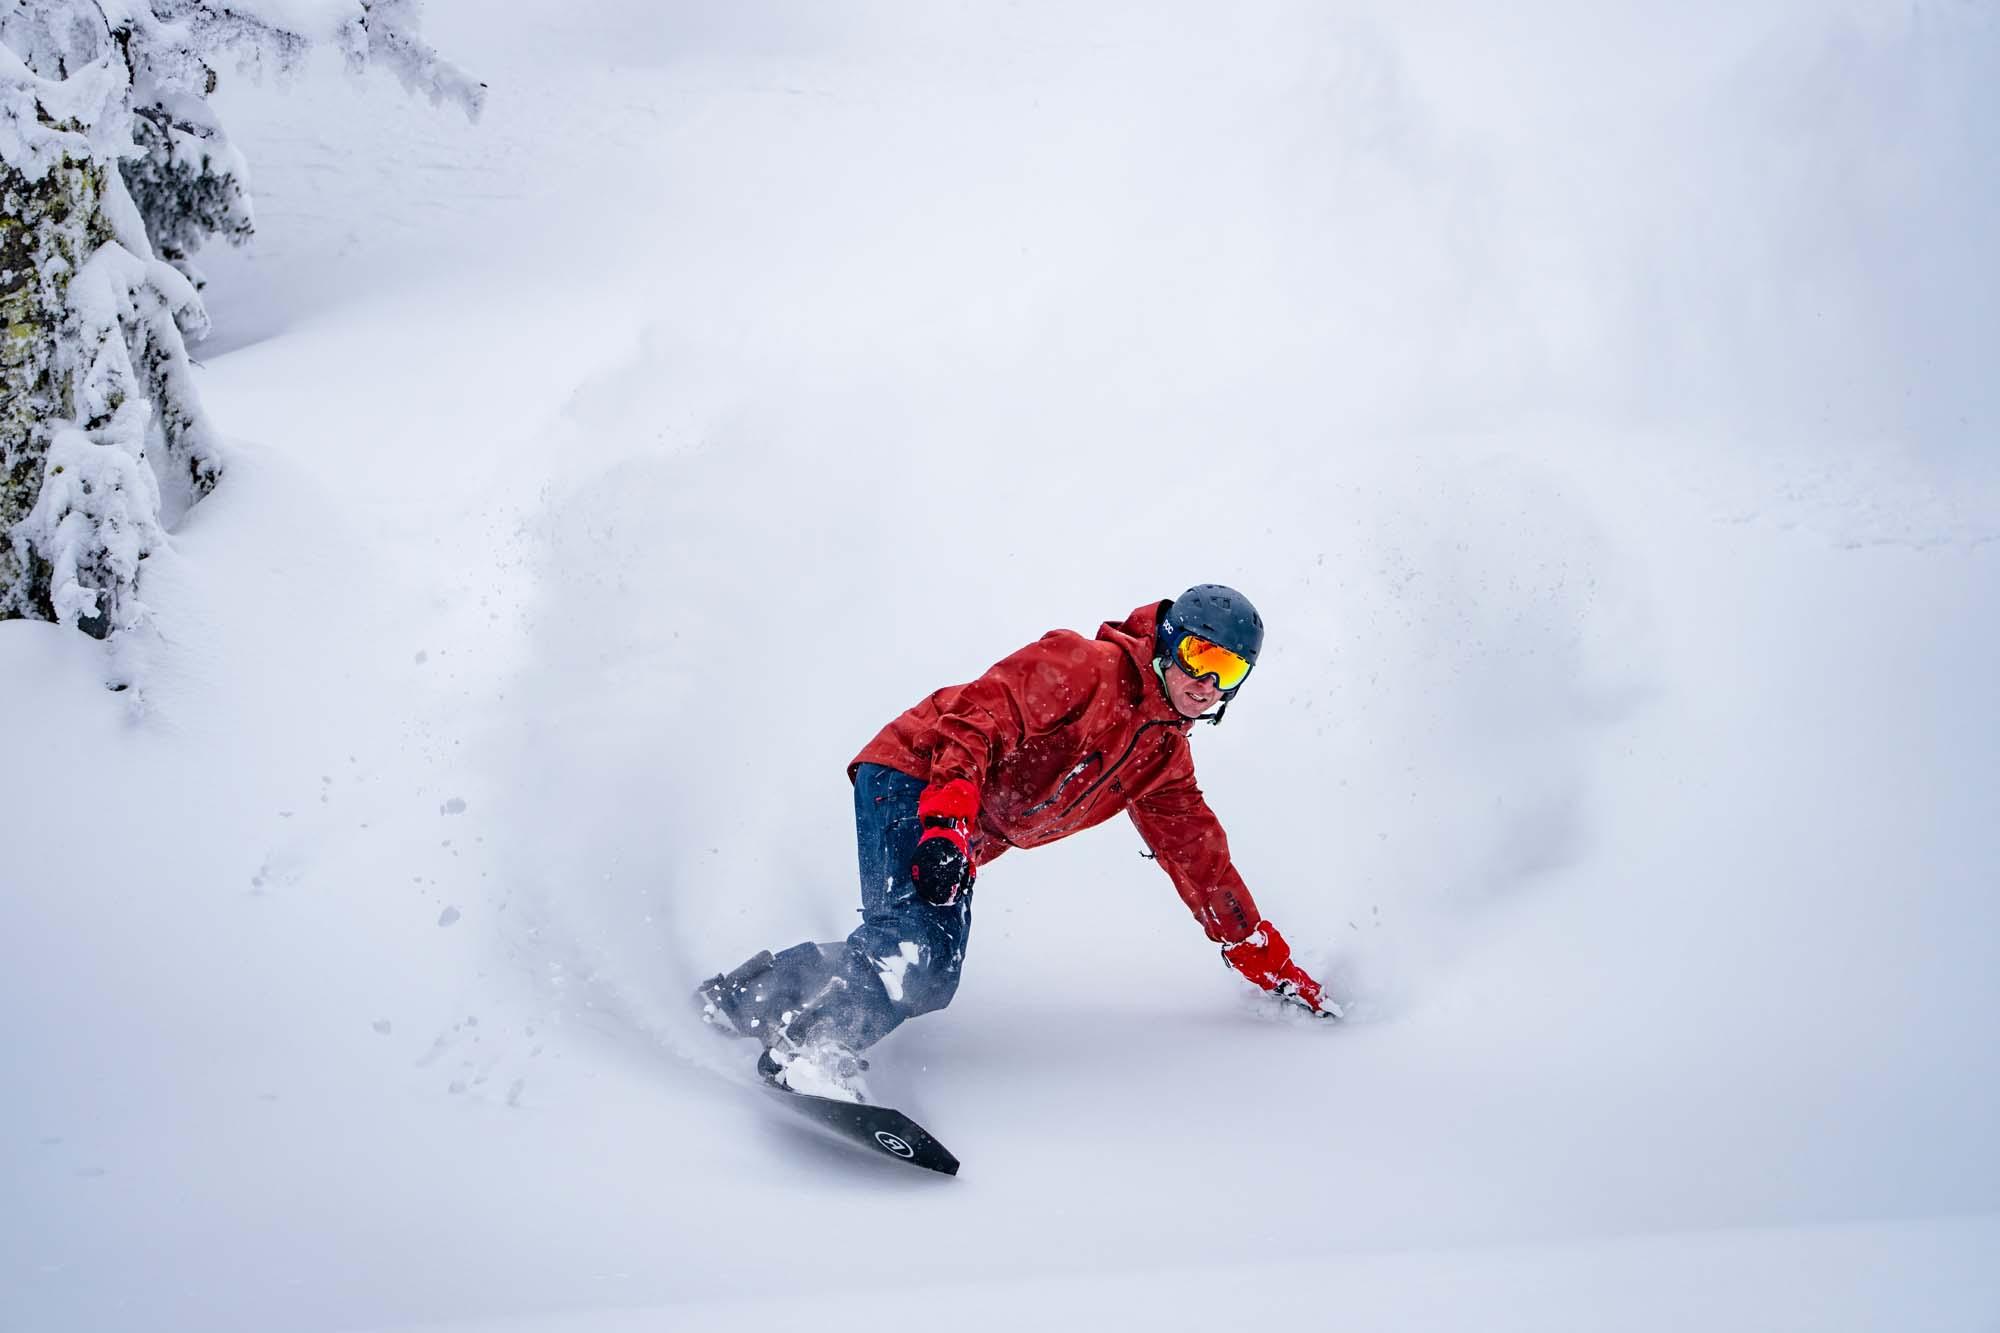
x,y
1107,775
1082,765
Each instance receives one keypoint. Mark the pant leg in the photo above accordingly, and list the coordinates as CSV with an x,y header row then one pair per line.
x,y
912,951
901,961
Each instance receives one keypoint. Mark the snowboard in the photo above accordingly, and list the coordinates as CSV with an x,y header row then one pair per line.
x,y
881,1129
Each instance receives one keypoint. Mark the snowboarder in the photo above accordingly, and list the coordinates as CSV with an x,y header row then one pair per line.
x,y
1053,739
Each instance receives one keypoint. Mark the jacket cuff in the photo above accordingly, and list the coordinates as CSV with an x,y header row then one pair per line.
x,y
955,800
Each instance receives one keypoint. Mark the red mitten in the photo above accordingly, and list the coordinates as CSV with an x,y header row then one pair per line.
x,y
942,867
1265,958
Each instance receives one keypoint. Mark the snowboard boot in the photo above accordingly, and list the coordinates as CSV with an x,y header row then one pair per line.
x,y
806,1054
821,1068
763,994
730,1002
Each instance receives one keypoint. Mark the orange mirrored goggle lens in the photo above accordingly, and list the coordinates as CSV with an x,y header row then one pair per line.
x,y
1202,658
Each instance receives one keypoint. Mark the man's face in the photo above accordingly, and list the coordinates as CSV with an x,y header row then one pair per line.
x,y
1191,697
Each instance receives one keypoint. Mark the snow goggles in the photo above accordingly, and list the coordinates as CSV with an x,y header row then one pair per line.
x,y
1200,657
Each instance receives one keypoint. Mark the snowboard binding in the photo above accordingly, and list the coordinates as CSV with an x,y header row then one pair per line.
x,y
800,1053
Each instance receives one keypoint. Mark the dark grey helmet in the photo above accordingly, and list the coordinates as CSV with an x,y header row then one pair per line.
x,y
1217,613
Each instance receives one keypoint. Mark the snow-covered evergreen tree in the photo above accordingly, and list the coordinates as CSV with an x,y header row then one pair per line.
x,y
113,170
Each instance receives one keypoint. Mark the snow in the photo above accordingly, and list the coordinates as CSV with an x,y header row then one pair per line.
x,y
1863,1276
894,968
815,1077
85,98
1595,412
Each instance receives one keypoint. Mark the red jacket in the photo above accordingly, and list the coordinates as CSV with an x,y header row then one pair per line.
x,y
1064,734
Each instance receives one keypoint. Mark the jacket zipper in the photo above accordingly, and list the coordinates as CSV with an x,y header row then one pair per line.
x,y
1108,773
1094,757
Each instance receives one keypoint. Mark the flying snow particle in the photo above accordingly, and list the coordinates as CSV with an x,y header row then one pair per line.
x,y
448,917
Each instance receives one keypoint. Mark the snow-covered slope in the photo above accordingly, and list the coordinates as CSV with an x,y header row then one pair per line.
x,y
1598,409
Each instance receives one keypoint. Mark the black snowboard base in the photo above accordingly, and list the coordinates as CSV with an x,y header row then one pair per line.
x,y
882,1129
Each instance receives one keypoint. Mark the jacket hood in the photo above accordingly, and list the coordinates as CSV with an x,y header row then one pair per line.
x,y
1135,634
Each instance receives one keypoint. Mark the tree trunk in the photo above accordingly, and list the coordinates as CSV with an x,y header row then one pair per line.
x,y
47,229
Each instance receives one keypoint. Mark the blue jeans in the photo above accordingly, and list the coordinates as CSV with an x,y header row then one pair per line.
x,y
904,957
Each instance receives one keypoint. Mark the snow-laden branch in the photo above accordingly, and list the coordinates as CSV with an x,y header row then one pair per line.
x,y
114,170
385,33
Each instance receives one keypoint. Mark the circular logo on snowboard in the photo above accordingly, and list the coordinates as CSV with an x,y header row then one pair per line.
x,y
890,1143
